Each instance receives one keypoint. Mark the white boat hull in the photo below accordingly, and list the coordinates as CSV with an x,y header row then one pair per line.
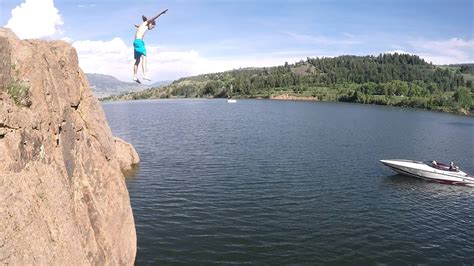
x,y
425,171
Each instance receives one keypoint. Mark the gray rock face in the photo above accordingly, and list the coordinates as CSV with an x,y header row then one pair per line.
x,y
63,198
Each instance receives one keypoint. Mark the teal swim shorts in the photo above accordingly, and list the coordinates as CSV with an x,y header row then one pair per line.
x,y
139,48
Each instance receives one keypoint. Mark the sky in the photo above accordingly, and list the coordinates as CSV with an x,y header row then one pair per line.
x,y
204,36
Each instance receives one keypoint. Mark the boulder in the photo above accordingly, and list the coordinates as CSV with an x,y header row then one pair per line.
x,y
127,155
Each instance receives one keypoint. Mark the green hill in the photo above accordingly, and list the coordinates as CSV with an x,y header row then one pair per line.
x,y
387,79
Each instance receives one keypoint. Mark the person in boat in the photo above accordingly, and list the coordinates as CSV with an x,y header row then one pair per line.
x,y
453,167
139,49
434,164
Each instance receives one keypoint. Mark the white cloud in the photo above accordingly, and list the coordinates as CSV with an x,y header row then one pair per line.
x,y
397,51
86,5
35,19
115,58
348,39
112,57
440,52
67,39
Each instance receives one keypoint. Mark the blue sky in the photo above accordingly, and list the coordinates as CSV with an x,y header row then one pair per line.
x,y
201,36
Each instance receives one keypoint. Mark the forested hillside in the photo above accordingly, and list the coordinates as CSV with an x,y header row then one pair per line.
x,y
387,79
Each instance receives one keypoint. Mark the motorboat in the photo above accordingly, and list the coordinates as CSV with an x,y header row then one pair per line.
x,y
431,170
231,100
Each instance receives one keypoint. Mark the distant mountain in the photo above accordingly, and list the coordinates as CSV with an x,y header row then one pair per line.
x,y
161,83
105,85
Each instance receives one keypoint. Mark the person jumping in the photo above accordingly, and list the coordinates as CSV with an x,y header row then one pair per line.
x,y
139,46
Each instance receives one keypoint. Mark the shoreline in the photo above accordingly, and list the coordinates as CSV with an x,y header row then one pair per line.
x,y
287,97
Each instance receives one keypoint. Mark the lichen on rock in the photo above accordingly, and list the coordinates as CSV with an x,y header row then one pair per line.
x,y
63,198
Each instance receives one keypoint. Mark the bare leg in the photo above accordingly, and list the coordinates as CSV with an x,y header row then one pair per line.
x,y
135,70
145,68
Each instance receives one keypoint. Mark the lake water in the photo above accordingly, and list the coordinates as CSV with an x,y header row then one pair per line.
x,y
278,182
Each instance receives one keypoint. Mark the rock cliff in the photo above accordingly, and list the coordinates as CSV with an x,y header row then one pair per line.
x,y
63,198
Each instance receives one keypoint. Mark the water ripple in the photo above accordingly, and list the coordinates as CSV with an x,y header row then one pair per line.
x,y
265,182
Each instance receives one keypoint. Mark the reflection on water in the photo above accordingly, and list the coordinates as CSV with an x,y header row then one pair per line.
x,y
461,124
133,172
433,189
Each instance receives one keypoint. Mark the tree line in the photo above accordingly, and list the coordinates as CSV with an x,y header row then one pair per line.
x,y
388,79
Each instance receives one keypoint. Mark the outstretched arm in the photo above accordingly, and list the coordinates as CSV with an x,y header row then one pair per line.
x,y
154,18
163,12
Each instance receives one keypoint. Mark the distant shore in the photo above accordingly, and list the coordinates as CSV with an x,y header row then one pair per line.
x,y
289,97
400,80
